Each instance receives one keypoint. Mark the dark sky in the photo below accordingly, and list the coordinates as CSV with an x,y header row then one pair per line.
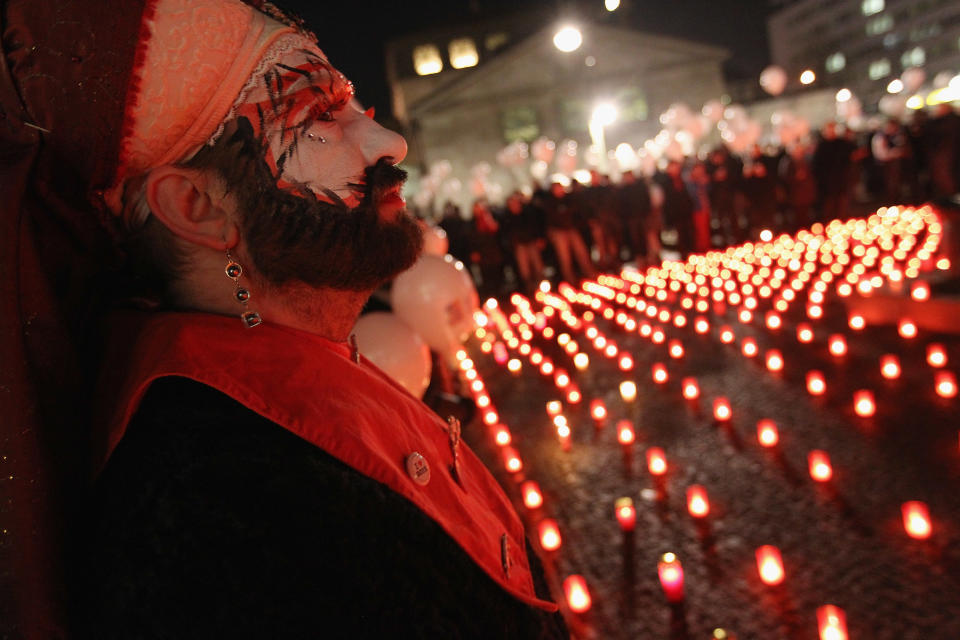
x,y
353,33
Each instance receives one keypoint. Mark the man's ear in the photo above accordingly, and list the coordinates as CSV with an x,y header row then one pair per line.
x,y
181,199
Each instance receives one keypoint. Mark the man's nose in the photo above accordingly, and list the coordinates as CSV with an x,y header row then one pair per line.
x,y
377,142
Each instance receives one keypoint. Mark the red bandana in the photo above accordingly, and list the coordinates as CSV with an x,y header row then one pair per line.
x,y
353,411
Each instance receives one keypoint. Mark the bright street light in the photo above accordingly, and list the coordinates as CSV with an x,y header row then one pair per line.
x,y
568,39
844,95
808,77
612,5
604,114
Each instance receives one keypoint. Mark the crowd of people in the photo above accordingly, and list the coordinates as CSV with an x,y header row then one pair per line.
x,y
695,204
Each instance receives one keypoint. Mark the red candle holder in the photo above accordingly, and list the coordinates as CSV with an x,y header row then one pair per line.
x,y
916,519
721,409
837,345
670,572
767,434
578,596
818,463
659,373
816,385
832,623
864,404
774,360
549,534
656,461
691,389
804,333
532,497
698,505
770,565
625,432
890,366
626,513
946,384
936,355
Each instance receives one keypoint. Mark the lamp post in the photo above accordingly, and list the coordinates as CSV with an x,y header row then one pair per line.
x,y
604,114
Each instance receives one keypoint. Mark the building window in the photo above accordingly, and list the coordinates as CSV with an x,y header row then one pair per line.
x,y
871,7
913,57
494,41
880,24
520,123
463,53
427,60
836,62
879,69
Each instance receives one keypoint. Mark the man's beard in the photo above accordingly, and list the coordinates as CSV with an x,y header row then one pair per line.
x,y
291,236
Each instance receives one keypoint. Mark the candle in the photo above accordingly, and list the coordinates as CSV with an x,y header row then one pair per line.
x,y
863,404
675,348
490,417
581,361
659,373
597,410
514,366
546,367
628,391
726,335
561,378
857,322
658,336
819,465
697,502
701,325
770,565
625,433
946,384
626,514
578,597
936,355
749,347
511,459
691,389
920,291
549,534
804,333
774,360
626,362
767,434
656,461
907,328
832,622
814,311
532,498
916,519
890,366
745,316
573,395
773,321
670,572
501,435
837,345
554,407
721,409
816,385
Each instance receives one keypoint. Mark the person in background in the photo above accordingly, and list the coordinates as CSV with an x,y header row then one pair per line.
x,y
568,244
524,231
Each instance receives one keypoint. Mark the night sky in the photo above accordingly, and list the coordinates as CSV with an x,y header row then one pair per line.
x,y
353,34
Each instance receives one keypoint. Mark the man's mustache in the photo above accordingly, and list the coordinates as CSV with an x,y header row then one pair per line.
x,y
380,178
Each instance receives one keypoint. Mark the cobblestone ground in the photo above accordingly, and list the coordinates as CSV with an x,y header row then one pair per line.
x,y
842,542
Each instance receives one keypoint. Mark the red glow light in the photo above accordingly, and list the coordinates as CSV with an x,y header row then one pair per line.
x,y
890,366
502,435
726,335
907,328
767,434
511,459
532,498
626,362
916,519
597,410
549,534
920,291
578,597
749,347
837,345
697,502
818,463
691,390
675,348
832,623
721,409
946,384
816,385
774,360
670,572
626,513
936,355
857,322
863,403
770,565
804,333
656,461
625,433
773,321
660,374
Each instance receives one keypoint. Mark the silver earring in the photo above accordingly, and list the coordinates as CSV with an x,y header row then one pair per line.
x,y
314,136
234,271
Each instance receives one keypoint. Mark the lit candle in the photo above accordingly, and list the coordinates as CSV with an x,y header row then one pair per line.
x,y
814,311
597,410
804,333
532,498
549,534
818,463
626,362
675,347
626,514
837,345
554,407
863,403
832,622
816,385
916,519
670,572
946,384
749,347
656,461
514,366
701,325
625,433
890,366
659,373
773,321
726,335
511,459
721,409
501,435
573,395
581,361
691,389
697,502
628,390
774,360
857,322
770,564
578,597
561,378
920,291
490,417
936,355
767,434
907,328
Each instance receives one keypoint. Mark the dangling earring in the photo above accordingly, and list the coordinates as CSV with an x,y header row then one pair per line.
x,y
234,271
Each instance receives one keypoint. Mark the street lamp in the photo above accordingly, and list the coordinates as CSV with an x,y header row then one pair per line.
x,y
568,39
604,114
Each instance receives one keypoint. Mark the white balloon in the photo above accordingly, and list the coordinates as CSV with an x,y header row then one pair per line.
x,y
773,79
436,297
395,348
713,110
435,241
913,78
538,169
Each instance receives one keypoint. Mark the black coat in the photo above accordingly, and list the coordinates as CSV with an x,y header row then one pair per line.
x,y
209,521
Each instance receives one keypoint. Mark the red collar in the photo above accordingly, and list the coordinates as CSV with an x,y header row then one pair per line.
x,y
361,417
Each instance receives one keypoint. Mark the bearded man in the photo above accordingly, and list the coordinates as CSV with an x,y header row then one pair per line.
x,y
255,476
